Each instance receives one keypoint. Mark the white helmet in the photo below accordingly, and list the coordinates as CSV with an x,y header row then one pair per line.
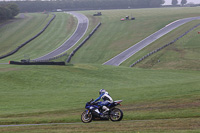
x,y
102,91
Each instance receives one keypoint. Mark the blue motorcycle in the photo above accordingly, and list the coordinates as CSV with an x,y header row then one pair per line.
x,y
114,114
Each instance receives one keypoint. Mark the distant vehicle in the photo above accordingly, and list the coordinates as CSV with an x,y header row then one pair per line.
x,y
114,114
132,18
97,14
59,10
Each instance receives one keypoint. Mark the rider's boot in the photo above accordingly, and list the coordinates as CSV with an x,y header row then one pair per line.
x,y
106,109
97,111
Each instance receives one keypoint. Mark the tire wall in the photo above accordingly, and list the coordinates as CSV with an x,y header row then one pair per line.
x,y
36,63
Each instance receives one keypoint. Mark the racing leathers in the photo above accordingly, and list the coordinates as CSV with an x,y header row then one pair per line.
x,y
107,99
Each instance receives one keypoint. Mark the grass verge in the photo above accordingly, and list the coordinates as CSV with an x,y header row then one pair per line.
x,y
148,126
30,94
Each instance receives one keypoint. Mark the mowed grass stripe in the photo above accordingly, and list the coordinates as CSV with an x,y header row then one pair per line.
x,y
55,35
18,32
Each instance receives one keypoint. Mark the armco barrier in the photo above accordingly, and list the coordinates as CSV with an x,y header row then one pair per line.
x,y
14,51
84,41
153,52
53,58
36,63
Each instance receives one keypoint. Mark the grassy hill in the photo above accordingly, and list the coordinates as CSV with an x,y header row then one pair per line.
x,y
22,29
49,40
30,94
114,36
156,96
184,54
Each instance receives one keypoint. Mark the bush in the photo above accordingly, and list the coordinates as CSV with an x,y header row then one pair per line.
x,y
8,11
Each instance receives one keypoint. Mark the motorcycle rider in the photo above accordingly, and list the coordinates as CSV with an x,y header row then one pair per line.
x,y
107,99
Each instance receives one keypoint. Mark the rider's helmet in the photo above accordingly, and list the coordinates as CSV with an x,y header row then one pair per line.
x,y
102,91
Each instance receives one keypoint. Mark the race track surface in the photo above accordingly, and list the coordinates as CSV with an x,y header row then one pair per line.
x,y
81,29
117,60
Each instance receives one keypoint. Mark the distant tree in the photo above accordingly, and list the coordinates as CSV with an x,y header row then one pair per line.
x,y
163,2
174,2
5,13
14,9
8,11
52,5
183,2
155,3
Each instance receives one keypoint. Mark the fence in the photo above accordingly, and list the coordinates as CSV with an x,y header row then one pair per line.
x,y
83,42
19,47
155,51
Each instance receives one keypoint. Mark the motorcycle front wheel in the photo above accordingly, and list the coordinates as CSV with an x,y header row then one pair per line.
x,y
86,117
116,114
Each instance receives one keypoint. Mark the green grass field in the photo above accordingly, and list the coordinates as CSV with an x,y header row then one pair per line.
x,y
21,30
43,94
56,34
185,51
114,36
184,54
157,97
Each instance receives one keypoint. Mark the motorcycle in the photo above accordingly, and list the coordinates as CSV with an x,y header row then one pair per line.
x,y
114,114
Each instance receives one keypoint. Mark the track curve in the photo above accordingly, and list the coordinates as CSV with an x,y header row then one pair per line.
x,y
120,58
80,31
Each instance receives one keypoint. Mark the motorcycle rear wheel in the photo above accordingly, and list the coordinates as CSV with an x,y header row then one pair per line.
x,y
116,115
86,117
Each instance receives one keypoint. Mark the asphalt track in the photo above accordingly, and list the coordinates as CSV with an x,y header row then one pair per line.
x,y
81,29
120,58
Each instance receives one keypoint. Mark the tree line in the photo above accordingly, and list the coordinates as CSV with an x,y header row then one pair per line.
x,y
8,11
49,5
175,2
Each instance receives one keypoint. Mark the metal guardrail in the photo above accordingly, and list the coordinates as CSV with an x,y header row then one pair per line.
x,y
19,47
83,42
155,51
50,59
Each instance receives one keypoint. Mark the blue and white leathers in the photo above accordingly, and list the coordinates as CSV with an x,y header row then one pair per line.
x,y
107,99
